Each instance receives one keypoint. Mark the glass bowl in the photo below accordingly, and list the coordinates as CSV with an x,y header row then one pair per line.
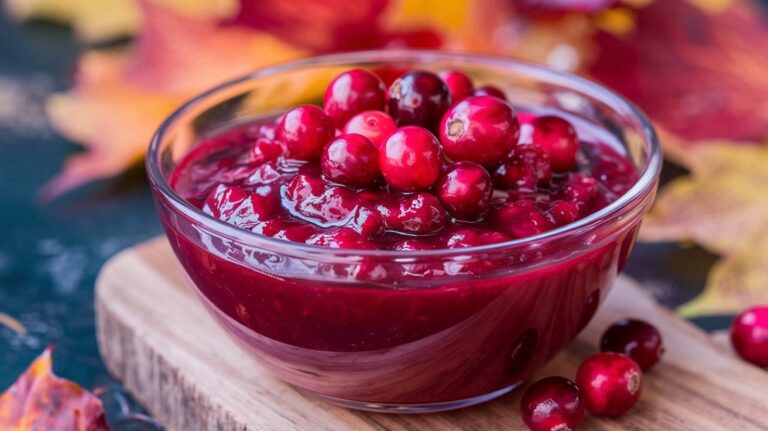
x,y
384,330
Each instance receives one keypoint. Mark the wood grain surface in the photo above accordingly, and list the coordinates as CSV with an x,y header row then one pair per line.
x,y
158,340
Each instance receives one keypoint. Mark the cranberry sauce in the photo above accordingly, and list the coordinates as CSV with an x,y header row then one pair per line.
x,y
407,171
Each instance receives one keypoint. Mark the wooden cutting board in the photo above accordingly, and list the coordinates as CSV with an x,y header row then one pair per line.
x,y
159,341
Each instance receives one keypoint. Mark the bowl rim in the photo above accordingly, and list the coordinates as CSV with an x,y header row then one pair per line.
x,y
644,185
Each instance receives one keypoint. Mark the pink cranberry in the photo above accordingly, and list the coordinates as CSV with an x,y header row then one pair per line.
x,y
479,129
552,404
304,131
524,168
558,138
410,159
465,189
611,383
350,159
749,335
418,98
352,92
459,84
637,339
374,125
490,90
418,214
520,219
561,213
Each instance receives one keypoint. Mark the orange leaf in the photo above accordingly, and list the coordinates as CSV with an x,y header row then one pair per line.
x,y
120,98
39,400
699,72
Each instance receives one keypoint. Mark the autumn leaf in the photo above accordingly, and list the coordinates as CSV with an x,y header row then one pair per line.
x,y
723,206
39,400
104,20
120,98
696,67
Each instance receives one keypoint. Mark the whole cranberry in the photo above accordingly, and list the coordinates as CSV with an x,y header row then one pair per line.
x,y
524,168
264,150
610,382
410,159
304,131
459,84
417,214
749,335
490,90
558,138
340,238
635,338
579,187
418,98
350,159
560,213
352,92
553,403
520,219
465,189
236,207
480,129
374,125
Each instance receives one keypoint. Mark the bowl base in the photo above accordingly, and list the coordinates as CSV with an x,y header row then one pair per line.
x,y
415,408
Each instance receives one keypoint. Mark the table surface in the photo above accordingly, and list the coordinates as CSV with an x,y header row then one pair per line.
x,y
50,253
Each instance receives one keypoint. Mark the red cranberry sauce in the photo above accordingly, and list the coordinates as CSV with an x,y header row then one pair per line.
x,y
424,331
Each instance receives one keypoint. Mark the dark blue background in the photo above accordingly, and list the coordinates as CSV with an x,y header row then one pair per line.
x,y
50,253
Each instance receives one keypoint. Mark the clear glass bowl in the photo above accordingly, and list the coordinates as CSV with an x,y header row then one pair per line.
x,y
367,329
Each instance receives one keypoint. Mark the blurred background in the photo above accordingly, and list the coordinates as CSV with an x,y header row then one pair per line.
x,y
84,84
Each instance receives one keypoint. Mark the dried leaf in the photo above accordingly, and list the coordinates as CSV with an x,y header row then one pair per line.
x,y
39,400
120,98
694,66
11,322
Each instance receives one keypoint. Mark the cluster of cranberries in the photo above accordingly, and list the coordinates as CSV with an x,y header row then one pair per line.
x,y
607,384
430,156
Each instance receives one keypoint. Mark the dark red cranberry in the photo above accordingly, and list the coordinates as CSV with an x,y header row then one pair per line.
x,y
524,168
263,151
418,214
374,125
490,90
235,206
465,189
352,92
749,335
224,200
304,131
282,230
580,187
410,159
340,238
350,159
464,238
479,129
418,98
637,339
558,138
560,213
552,404
520,219
412,245
611,383
459,84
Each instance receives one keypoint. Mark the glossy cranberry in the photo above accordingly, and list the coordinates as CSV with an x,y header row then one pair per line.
x,y
749,335
418,98
464,238
410,159
558,138
490,90
525,167
637,339
479,129
418,214
552,404
264,150
352,92
560,213
374,125
520,219
304,131
580,187
350,159
611,383
465,189
235,206
459,84
340,238
412,245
